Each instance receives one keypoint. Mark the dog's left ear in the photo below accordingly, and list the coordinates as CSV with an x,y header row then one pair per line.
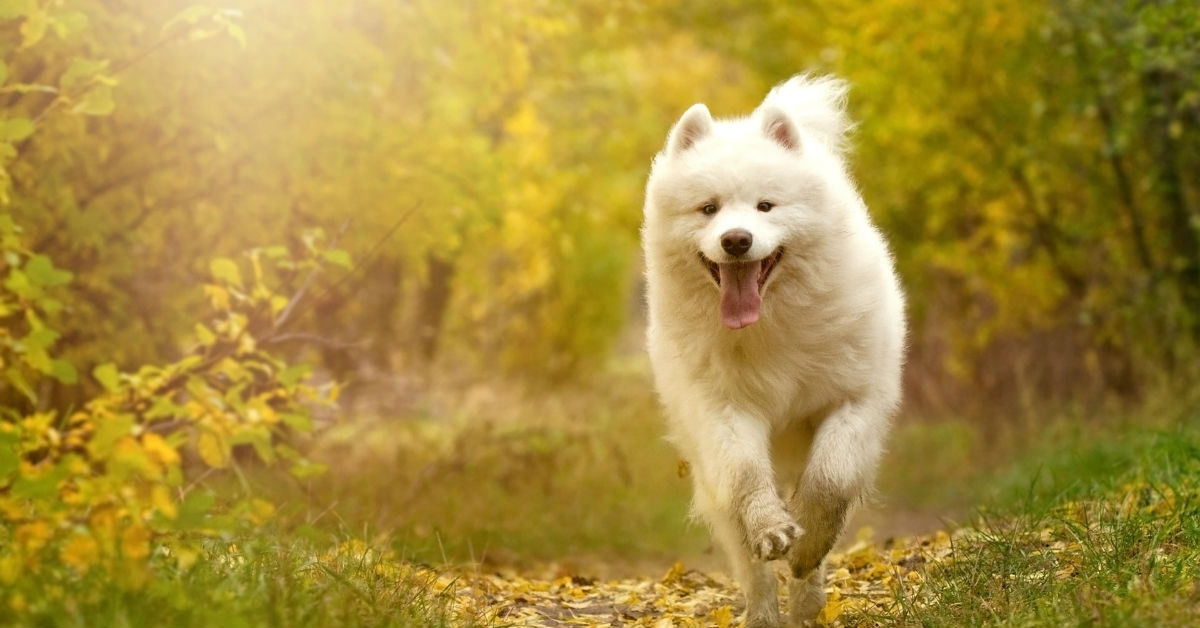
x,y
777,126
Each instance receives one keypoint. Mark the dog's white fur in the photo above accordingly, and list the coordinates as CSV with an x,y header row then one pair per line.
x,y
783,421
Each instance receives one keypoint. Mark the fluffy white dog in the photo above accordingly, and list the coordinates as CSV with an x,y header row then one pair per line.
x,y
776,332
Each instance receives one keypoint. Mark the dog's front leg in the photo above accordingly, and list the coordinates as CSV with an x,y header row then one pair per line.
x,y
735,467
737,496
845,451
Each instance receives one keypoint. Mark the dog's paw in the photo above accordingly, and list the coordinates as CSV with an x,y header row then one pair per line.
x,y
774,541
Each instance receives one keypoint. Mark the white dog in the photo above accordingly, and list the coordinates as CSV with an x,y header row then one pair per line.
x,y
776,332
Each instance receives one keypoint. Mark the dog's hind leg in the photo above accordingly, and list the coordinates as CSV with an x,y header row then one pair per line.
x,y
756,578
806,597
736,494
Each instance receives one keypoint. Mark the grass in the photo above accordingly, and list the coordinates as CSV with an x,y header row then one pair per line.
x,y
1095,527
264,580
581,475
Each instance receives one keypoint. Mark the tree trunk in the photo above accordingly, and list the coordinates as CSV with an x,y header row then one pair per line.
x,y
1162,94
432,304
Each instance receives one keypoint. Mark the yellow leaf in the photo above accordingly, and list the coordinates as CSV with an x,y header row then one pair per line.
x,y
32,536
81,552
103,523
261,410
226,270
260,511
212,451
10,569
160,496
832,610
218,296
135,542
128,454
722,616
34,28
185,557
674,574
204,334
159,449
97,101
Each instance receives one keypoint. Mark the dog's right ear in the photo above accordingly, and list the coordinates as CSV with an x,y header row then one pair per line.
x,y
695,124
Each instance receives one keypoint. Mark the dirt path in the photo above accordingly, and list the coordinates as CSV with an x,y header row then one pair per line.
x,y
864,581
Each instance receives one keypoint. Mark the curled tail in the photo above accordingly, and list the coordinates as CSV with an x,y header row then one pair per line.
x,y
816,104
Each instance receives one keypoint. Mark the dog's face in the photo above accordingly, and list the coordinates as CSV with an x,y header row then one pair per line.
x,y
735,204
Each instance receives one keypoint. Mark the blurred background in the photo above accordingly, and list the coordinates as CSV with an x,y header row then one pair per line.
x,y
1033,164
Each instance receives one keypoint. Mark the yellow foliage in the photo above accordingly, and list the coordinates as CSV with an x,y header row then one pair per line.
x,y
185,556
32,536
135,542
163,501
10,569
261,510
158,449
81,552
127,454
722,616
103,524
218,296
212,449
100,490
832,610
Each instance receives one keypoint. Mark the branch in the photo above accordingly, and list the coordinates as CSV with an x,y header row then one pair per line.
x,y
358,268
119,68
283,317
321,340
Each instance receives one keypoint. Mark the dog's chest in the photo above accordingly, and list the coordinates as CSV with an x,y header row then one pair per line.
x,y
782,375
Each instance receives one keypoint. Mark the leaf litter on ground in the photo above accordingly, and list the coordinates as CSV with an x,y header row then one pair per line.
x,y
868,583
863,581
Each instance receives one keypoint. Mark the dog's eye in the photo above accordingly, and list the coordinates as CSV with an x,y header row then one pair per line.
x,y
765,206
708,209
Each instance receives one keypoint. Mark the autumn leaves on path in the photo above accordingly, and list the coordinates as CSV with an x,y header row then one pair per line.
x,y
1131,550
865,582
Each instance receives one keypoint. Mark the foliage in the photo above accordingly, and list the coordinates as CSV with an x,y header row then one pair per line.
x,y
106,488
1029,163
309,124
1104,535
254,579
27,300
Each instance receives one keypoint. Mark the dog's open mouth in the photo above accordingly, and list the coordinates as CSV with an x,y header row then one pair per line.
x,y
768,264
741,286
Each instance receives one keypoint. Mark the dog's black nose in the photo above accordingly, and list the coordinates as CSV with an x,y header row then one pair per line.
x,y
736,242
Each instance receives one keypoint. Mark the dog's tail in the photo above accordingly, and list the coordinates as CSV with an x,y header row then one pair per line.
x,y
817,104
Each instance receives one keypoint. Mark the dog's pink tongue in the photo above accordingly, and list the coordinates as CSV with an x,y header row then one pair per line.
x,y
739,293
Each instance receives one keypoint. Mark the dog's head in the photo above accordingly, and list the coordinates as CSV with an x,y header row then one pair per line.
x,y
735,204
